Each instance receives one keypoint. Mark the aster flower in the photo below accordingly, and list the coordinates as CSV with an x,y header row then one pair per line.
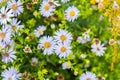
x,y
63,36
11,74
16,7
8,56
88,76
66,65
63,50
46,9
5,34
27,49
5,15
15,25
39,31
71,13
34,61
10,44
84,38
98,48
47,43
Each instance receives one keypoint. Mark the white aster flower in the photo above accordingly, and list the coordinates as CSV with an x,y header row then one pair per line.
x,y
5,15
27,49
46,9
10,44
11,74
99,49
16,7
115,6
8,56
66,65
71,13
5,34
84,38
34,61
63,36
47,43
2,45
39,31
88,76
65,1
63,50
15,25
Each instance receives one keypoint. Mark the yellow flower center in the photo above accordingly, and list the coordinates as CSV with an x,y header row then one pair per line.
x,y
47,44
2,35
72,13
46,7
40,31
63,37
0,47
63,49
14,7
88,79
67,65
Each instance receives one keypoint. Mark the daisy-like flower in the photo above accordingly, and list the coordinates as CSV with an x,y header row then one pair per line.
x,y
16,7
65,1
85,37
27,49
63,50
98,48
71,13
66,65
5,15
11,74
8,56
88,76
15,25
46,9
10,44
2,45
63,36
39,31
5,34
48,44
115,6
34,61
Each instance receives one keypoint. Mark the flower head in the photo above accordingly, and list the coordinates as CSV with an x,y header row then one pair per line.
x,y
63,50
16,7
39,31
88,76
5,15
71,13
11,74
8,56
47,43
46,9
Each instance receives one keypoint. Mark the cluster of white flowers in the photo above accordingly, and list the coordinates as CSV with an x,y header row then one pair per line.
x,y
48,9
10,26
60,43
